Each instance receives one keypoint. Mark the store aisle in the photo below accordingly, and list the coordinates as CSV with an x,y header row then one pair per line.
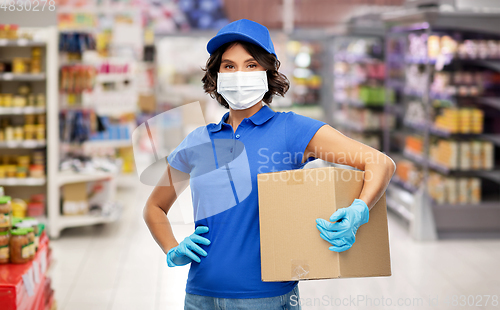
x,y
119,266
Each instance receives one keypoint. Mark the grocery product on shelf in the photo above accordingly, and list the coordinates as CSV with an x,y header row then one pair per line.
x,y
364,119
76,79
305,79
23,98
454,190
22,166
24,65
408,173
359,93
464,155
20,248
19,208
73,44
5,213
36,205
9,31
454,155
461,120
4,247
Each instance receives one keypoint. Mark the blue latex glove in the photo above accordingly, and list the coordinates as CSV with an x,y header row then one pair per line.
x,y
182,254
342,234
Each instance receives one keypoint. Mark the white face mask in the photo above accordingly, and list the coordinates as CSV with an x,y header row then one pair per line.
x,y
242,90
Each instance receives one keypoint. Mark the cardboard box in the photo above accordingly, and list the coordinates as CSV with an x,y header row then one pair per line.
x,y
291,246
75,199
147,103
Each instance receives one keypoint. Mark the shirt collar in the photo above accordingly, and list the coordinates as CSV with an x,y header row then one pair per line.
x,y
263,115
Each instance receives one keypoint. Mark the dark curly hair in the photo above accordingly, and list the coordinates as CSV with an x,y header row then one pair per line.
x,y
277,82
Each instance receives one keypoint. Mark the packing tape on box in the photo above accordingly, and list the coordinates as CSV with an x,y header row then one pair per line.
x,y
300,269
222,163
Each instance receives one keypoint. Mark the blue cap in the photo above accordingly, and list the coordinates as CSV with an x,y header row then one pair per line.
x,y
242,30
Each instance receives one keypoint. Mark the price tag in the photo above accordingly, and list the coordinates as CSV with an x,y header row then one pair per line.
x,y
43,261
36,271
3,42
28,282
8,76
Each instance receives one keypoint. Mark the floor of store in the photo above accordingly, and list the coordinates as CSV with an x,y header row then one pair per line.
x,y
119,266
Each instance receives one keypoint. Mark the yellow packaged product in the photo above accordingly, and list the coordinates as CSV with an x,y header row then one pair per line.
x,y
451,191
7,100
4,247
488,155
5,213
476,152
19,208
465,156
463,184
19,65
475,190
10,171
40,132
40,100
18,133
465,120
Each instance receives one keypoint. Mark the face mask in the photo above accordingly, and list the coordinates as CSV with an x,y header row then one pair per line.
x,y
242,90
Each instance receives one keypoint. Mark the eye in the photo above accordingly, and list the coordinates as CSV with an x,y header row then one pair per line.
x,y
252,66
228,67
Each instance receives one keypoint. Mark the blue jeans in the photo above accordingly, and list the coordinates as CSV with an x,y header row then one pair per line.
x,y
289,301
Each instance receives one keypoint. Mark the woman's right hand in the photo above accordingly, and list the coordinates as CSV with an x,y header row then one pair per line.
x,y
182,254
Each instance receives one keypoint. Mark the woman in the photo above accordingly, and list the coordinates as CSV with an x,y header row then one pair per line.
x,y
224,250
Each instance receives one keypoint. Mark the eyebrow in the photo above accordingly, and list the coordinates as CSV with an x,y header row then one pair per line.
x,y
230,61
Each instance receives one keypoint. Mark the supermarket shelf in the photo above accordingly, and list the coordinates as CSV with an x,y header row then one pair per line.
x,y
73,177
22,181
22,77
395,109
493,102
443,133
395,83
21,42
360,104
24,144
493,64
416,126
493,175
84,220
109,143
399,208
410,188
352,58
112,77
494,138
432,95
467,217
22,110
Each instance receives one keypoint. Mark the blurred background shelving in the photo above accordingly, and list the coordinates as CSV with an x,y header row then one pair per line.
x,y
442,71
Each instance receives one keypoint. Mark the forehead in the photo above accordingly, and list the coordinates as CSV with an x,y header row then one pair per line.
x,y
236,52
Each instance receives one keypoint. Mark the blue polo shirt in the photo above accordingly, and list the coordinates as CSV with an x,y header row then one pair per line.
x,y
223,167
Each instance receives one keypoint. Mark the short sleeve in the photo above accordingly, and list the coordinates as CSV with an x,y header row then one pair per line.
x,y
298,133
178,159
